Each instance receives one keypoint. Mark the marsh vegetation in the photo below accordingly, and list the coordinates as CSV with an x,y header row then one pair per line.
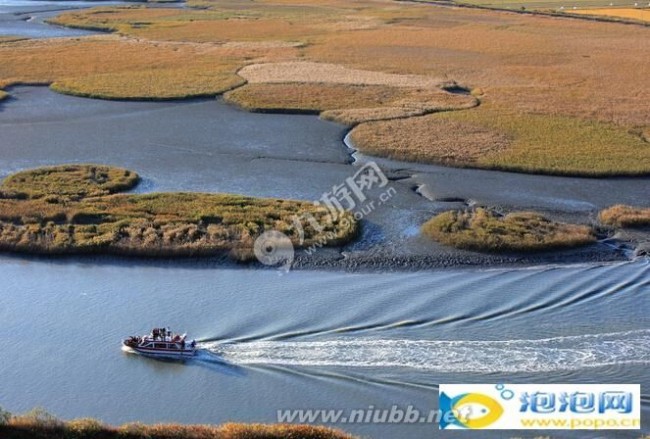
x,y
489,139
634,14
457,87
484,230
76,209
625,216
560,92
39,424
349,104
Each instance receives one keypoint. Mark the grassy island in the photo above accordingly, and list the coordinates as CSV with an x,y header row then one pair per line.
x,y
491,139
625,216
349,104
78,209
483,230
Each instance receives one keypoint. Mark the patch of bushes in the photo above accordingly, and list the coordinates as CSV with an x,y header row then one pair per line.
x,y
486,231
625,216
38,424
71,181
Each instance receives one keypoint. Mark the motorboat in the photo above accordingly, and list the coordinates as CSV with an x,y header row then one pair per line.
x,y
161,342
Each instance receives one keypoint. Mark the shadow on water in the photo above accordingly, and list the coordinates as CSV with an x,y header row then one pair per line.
x,y
5,101
92,260
203,358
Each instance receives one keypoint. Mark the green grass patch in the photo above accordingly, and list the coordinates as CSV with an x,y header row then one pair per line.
x,y
485,231
135,18
625,216
71,181
564,145
150,85
497,139
75,209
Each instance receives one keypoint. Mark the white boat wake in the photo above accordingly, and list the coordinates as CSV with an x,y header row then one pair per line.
x,y
551,354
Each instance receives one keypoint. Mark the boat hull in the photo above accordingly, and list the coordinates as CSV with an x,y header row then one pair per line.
x,y
158,352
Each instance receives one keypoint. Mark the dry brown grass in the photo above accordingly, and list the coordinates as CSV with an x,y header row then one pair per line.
x,y
40,425
366,102
268,44
492,139
355,116
429,139
70,209
575,79
230,30
625,216
221,23
638,14
111,67
114,18
482,230
645,134
528,63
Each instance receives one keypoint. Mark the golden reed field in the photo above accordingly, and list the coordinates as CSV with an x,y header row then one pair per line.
x,y
640,14
457,86
39,424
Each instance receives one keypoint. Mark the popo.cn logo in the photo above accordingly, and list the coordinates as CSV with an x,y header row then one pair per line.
x,y
540,406
469,410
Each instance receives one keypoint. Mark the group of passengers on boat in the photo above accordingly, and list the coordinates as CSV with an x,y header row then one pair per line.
x,y
173,341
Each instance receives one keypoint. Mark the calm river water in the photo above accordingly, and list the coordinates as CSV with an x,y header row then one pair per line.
x,y
309,339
